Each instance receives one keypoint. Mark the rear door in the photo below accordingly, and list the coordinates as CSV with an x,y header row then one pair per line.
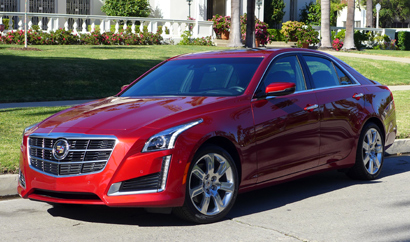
x,y
287,127
341,103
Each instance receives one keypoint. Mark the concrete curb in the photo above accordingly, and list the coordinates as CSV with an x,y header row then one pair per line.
x,y
8,182
400,146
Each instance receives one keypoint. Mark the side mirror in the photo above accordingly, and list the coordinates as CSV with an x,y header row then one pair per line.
x,y
124,87
280,89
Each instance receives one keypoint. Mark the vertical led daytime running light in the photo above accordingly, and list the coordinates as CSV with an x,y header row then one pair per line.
x,y
165,166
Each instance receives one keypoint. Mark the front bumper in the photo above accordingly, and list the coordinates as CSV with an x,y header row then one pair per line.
x,y
121,168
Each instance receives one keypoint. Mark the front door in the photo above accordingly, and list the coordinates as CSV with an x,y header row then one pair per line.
x,y
287,128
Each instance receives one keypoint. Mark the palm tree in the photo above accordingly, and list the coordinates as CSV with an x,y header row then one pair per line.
x,y
325,25
235,35
369,13
349,37
250,24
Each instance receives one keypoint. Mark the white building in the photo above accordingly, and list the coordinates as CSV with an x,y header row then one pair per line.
x,y
167,9
359,18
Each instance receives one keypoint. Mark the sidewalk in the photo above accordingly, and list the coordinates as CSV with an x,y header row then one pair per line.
x,y
366,56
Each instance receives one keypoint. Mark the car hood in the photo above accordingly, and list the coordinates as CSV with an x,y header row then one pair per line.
x,y
118,113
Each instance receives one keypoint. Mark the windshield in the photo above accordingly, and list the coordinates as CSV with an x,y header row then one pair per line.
x,y
197,77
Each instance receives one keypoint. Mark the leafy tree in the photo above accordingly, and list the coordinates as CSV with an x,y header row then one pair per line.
x,y
392,10
128,8
278,13
311,13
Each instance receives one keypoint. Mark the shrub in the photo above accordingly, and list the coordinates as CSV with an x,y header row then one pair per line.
x,y
359,37
275,35
221,23
404,40
307,36
289,30
6,23
337,44
94,38
187,40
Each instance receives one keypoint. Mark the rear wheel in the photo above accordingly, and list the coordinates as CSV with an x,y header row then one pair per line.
x,y
370,154
212,186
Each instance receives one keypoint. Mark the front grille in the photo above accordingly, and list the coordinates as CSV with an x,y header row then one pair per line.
x,y
86,155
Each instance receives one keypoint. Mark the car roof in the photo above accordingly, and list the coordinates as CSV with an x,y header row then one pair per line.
x,y
240,53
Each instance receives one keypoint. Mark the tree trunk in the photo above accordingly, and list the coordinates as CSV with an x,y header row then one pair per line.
x,y
369,13
250,24
325,25
349,37
235,35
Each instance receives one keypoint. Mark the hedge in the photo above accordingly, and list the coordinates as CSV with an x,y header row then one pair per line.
x,y
404,40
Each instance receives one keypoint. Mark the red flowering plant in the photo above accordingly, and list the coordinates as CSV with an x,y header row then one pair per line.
x,y
221,23
337,44
261,29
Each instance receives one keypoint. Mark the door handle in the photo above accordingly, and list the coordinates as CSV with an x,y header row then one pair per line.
x,y
357,96
311,107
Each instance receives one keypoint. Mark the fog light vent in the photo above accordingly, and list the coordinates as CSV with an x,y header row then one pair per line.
x,y
152,183
22,179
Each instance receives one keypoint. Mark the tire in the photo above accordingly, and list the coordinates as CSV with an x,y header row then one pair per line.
x,y
211,188
369,155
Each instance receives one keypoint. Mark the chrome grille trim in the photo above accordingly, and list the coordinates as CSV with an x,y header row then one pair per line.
x,y
84,156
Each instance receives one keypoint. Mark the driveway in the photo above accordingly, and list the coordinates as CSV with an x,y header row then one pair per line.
x,y
324,207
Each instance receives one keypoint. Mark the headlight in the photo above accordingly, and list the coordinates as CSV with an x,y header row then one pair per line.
x,y
166,139
28,128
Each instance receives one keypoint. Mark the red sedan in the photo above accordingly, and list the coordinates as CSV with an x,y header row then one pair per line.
x,y
197,129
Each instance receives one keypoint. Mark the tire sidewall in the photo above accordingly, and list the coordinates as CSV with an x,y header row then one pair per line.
x,y
359,156
198,216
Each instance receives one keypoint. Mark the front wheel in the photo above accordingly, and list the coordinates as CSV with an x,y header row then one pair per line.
x,y
370,154
212,186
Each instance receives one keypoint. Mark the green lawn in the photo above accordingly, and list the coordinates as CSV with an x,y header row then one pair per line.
x,y
394,53
12,123
385,72
90,72
77,72
14,120
402,101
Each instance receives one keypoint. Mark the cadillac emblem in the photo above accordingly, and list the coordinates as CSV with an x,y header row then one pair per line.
x,y
60,149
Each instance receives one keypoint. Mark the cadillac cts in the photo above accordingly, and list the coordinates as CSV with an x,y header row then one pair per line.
x,y
197,129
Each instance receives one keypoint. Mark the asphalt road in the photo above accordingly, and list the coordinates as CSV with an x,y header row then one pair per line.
x,y
324,207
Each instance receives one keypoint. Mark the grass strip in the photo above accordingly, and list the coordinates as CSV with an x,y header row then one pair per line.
x,y
389,73
393,53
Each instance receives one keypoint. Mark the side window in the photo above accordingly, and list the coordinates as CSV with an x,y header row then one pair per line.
x,y
343,79
286,69
322,71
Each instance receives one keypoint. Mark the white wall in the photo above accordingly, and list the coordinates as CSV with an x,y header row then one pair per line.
x,y
359,15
